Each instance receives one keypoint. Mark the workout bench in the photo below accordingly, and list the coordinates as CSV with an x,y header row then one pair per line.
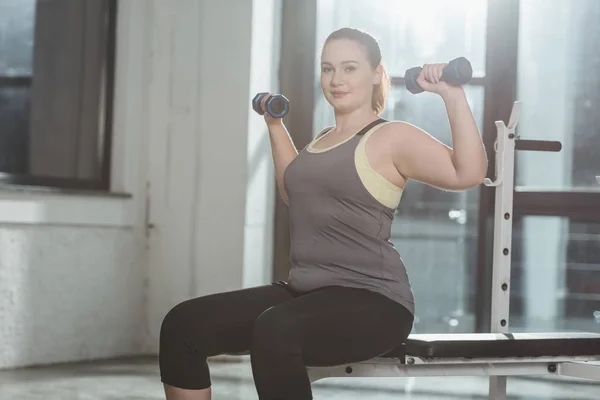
x,y
498,354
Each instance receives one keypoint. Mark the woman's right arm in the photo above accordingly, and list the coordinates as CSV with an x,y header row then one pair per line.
x,y
283,151
282,148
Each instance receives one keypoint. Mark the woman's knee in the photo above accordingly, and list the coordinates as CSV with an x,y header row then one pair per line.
x,y
175,319
171,327
181,321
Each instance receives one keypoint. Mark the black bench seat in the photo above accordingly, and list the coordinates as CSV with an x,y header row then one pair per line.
x,y
499,345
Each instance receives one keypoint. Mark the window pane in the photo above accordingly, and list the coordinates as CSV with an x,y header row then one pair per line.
x,y
17,19
559,84
410,32
52,122
14,123
555,275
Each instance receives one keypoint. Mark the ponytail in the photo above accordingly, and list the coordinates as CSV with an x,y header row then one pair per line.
x,y
380,92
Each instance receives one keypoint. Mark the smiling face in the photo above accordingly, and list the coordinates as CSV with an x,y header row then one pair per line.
x,y
347,75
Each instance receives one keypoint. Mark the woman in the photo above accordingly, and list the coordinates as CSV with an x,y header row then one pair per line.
x,y
348,297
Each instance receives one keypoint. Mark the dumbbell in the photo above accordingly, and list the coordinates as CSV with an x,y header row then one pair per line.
x,y
277,105
458,72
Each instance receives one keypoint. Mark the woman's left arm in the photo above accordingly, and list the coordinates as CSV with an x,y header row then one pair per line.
x,y
418,156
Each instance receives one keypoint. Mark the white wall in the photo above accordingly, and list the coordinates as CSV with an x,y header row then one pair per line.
x,y
92,276
68,293
71,276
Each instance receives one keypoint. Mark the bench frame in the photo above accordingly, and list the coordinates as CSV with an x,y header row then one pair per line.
x,y
498,369
494,367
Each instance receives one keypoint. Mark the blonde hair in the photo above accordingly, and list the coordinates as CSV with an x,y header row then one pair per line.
x,y
380,90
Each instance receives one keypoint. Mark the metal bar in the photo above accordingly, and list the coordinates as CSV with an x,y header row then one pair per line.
x,y
574,204
421,370
538,145
503,216
579,370
489,360
503,210
593,215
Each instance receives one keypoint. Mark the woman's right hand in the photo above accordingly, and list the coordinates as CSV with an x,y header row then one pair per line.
x,y
269,120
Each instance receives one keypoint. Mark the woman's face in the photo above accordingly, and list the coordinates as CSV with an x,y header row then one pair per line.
x,y
347,77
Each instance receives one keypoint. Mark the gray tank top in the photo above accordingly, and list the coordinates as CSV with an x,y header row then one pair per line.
x,y
340,233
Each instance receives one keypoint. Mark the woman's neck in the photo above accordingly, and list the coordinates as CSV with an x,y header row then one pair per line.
x,y
354,120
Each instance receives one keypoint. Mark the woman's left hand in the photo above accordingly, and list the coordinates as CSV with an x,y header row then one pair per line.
x,y
430,79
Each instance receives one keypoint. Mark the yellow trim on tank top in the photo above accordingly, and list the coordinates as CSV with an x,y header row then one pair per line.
x,y
377,185
384,191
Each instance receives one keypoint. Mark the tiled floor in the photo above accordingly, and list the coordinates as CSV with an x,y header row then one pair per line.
x,y
137,379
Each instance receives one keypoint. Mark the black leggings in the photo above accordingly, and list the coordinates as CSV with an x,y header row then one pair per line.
x,y
284,331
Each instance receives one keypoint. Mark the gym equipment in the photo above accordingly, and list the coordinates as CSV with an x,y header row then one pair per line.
x,y
458,71
277,106
497,354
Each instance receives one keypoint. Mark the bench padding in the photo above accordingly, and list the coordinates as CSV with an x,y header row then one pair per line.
x,y
500,345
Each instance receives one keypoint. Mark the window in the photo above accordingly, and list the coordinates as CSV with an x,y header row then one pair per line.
x,y
557,204
555,275
56,75
559,84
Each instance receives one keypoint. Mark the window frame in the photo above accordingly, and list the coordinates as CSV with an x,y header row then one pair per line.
x,y
101,183
122,204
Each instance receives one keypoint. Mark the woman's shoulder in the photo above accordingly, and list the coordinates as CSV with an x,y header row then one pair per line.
x,y
396,128
395,124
